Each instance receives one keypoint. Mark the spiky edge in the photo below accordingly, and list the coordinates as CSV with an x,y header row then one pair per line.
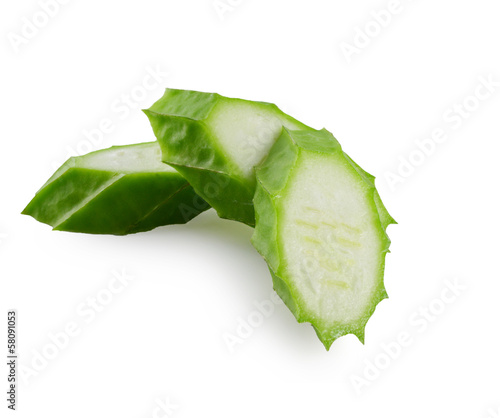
x,y
272,180
385,217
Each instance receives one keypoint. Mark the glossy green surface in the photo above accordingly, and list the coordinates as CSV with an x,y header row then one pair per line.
x,y
215,142
120,190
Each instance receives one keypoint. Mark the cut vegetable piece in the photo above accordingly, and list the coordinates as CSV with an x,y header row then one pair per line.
x,y
318,227
215,142
120,190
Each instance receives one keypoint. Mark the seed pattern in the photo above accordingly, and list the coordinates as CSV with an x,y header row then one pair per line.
x,y
342,240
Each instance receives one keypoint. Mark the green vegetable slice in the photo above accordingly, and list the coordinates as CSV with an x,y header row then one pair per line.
x,y
215,142
120,190
318,227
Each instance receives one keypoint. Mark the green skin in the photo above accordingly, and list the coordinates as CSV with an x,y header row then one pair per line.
x,y
115,199
385,218
183,124
275,177
182,121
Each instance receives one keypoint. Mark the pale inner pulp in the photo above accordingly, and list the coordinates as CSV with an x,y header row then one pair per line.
x,y
143,158
330,239
247,131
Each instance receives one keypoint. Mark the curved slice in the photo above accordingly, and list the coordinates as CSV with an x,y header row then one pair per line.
x,y
120,190
318,226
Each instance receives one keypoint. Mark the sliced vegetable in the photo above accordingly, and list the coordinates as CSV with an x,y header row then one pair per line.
x,y
318,226
120,190
319,221
215,142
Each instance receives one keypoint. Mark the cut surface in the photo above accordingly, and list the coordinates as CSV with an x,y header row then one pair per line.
x,y
119,190
140,158
331,241
247,131
216,142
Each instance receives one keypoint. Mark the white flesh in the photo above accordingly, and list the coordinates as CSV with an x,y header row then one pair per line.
x,y
141,158
330,238
247,131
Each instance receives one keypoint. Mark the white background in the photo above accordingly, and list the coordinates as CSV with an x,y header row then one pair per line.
x,y
163,336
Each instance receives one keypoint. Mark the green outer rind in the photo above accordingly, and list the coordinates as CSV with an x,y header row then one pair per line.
x,y
189,147
223,191
179,120
78,199
384,215
273,176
